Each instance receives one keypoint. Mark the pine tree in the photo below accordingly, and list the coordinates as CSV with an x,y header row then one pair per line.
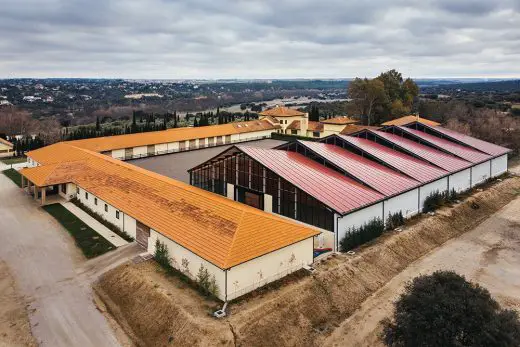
x,y
98,126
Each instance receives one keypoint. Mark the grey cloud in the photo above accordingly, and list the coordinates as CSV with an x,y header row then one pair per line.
x,y
257,38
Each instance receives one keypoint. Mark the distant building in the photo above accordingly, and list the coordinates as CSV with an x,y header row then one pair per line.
x,y
6,148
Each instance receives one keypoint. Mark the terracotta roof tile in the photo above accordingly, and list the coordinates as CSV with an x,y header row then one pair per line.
x,y
354,128
340,120
281,111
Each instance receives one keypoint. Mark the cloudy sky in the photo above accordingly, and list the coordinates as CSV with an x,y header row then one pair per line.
x,y
258,39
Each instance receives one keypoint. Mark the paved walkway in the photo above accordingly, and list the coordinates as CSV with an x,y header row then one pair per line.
x,y
102,230
52,274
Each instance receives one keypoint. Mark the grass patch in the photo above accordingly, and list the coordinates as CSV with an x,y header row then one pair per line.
x,y
10,161
14,176
90,242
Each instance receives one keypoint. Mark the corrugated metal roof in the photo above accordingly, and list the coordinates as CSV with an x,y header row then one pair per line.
x,y
483,146
377,176
220,230
443,160
413,167
340,193
466,153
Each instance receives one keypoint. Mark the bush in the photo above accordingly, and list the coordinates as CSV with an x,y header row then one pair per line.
x,y
438,199
443,309
207,284
394,220
355,237
162,255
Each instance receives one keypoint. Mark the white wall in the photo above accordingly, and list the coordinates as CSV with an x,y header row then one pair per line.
x,y
499,165
193,261
407,203
173,146
230,188
110,215
70,190
268,203
257,272
435,186
460,181
141,151
161,148
118,153
358,218
480,173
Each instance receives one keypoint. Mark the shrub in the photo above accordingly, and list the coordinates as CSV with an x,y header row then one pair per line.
x,y
443,309
162,255
207,284
438,199
394,220
355,237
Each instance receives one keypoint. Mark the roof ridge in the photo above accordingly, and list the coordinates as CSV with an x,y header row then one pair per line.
x,y
239,224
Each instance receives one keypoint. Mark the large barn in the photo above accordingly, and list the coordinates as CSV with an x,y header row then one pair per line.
x,y
344,181
241,246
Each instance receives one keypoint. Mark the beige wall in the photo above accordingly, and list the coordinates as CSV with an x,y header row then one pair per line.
x,y
161,148
70,191
193,261
268,203
142,150
230,191
329,129
270,267
118,153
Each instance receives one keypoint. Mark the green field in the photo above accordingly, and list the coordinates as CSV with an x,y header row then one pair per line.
x,y
90,242
10,161
14,176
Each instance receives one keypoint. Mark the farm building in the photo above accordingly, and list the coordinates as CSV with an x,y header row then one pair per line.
x,y
343,182
241,246
132,146
6,148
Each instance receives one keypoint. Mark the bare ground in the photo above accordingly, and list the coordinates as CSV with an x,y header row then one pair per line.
x,y
313,310
15,329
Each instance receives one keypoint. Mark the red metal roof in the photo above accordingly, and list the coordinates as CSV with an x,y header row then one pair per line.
x,y
443,160
377,176
483,146
340,193
467,153
413,167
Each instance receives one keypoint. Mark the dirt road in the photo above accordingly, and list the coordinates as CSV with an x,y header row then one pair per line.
x,y
51,273
488,255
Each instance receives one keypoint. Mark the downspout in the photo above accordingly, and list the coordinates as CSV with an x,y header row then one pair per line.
x,y
419,200
336,241
471,177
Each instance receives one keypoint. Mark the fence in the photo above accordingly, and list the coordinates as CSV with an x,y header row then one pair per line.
x,y
262,282
190,148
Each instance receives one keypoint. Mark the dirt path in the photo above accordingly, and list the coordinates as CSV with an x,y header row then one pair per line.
x,y
488,255
14,322
51,273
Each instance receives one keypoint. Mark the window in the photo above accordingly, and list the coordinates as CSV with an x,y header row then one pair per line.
x,y
86,195
294,132
316,133
95,201
117,214
106,208
77,190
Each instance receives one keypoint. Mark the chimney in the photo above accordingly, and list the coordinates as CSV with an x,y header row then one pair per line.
x,y
304,124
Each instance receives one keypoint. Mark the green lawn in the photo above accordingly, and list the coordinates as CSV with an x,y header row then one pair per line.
x,y
14,176
10,161
91,243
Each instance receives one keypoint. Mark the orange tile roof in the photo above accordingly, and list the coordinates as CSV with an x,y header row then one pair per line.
x,y
340,120
100,144
410,119
312,125
281,111
224,232
354,128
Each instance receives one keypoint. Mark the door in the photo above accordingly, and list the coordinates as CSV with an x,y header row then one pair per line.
x,y
142,234
129,153
150,149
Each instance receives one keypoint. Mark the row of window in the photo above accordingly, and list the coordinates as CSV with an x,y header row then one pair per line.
x,y
96,202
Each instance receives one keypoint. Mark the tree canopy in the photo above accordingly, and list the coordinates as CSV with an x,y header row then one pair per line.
x,y
385,97
445,310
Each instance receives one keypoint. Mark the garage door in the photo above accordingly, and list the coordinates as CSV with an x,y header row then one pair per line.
x,y
142,234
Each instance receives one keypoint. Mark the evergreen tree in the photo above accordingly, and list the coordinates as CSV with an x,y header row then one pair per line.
x,y
98,126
